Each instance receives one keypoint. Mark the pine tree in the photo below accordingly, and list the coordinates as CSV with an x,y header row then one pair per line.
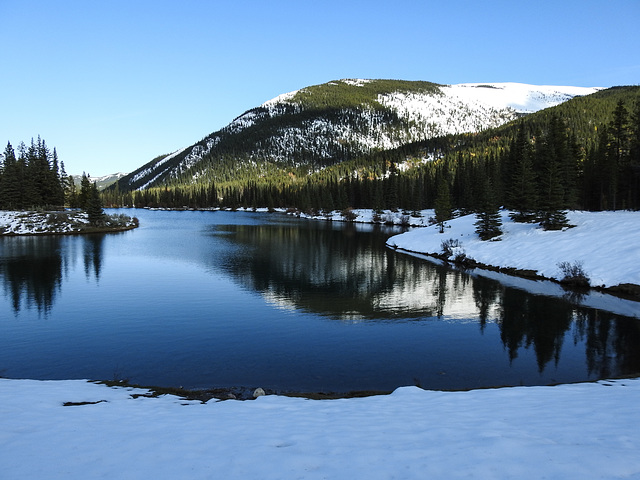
x,y
443,209
85,192
57,181
634,157
617,152
552,195
94,206
9,186
378,196
596,172
489,222
521,187
391,184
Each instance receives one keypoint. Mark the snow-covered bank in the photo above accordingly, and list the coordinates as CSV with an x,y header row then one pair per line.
x,y
605,243
584,431
59,223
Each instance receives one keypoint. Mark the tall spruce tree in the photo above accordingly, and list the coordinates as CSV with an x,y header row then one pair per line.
x,y
521,188
489,222
617,151
634,157
85,192
94,206
443,208
9,182
551,156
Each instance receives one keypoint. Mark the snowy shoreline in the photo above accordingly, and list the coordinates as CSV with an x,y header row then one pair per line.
x,y
604,243
74,429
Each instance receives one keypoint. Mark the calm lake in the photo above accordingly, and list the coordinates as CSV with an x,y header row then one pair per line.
x,y
225,299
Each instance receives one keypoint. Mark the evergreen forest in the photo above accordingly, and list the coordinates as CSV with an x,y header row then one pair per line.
x,y
34,178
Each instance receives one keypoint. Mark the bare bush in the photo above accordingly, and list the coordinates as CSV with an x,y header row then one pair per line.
x,y
573,274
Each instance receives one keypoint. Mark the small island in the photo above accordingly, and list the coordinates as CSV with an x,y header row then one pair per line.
x,y
67,222
37,197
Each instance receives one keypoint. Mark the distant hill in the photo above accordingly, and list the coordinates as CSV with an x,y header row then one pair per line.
x,y
322,125
389,144
102,182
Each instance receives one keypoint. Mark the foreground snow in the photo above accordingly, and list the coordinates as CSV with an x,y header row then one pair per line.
x,y
584,431
605,243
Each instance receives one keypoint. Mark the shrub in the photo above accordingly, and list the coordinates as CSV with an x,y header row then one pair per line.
x,y
450,247
452,250
573,274
348,214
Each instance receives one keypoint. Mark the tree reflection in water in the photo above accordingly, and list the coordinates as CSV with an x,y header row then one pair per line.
x,y
33,268
346,274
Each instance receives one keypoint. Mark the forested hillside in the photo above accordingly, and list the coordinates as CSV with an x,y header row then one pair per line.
x,y
583,153
307,130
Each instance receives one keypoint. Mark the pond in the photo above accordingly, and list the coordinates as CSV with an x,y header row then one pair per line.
x,y
227,299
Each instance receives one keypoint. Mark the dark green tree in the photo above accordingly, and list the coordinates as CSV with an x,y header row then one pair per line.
x,y
489,222
551,155
57,180
617,151
634,157
9,181
85,192
521,184
94,206
443,208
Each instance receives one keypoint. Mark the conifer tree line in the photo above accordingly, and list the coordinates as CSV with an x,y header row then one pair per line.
x,y
33,177
537,167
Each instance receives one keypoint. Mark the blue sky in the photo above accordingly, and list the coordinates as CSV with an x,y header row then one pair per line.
x,y
114,84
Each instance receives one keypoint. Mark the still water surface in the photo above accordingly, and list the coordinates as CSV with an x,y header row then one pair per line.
x,y
224,299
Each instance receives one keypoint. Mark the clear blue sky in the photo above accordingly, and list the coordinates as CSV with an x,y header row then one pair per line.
x,y
112,84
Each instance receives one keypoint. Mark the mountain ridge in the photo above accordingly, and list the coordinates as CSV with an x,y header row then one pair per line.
x,y
325,124
102,181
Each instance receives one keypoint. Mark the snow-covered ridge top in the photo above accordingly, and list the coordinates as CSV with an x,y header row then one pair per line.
x,y
521,97
356,82
283,98
108,177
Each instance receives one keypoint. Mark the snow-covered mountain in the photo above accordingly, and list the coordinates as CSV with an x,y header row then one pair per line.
x,y
340,120
103,181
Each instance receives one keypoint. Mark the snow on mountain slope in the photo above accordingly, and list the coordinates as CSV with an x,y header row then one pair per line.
x,y
102,181
466,107
521,97
461,108
284,130
471,107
